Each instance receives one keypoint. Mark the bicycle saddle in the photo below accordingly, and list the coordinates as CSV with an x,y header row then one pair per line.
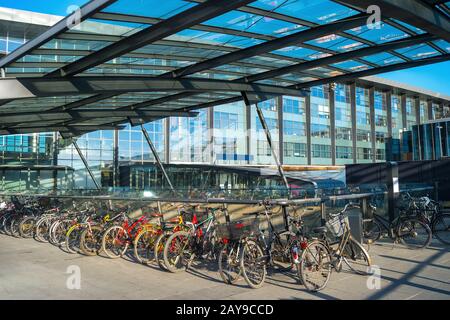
x,y
320,230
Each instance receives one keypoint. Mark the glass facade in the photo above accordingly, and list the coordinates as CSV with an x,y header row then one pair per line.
x,y
320,126
431,141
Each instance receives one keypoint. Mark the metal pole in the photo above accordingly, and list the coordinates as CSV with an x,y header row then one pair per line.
x,y
75,144
155,154
269,140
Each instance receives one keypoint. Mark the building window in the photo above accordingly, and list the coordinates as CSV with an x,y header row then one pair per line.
x,y
364,153
321,151
343,134
293,105
297,150
363,135
294,128
344,152
320,131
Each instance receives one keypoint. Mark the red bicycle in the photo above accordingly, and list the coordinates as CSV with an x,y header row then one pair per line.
x,y
118,238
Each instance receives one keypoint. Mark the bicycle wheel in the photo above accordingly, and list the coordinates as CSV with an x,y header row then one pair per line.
x,y
115,242
315,266
229,265
7,223
159,249
91,240
282,252
178,253
14,227
144,244
414,234
441,228
356,257
26,227
253,264
59,232
41,233
373,232
72,242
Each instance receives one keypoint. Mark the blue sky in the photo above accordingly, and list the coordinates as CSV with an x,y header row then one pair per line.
x,y
433,77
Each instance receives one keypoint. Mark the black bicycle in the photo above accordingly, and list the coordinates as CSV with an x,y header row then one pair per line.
x,y
404,229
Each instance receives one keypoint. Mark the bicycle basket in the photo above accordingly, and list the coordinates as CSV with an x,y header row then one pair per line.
x,y
238,229
336,225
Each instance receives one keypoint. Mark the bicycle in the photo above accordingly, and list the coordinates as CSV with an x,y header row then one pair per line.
x,y
118,238
321,255
182,247
404,229
429,212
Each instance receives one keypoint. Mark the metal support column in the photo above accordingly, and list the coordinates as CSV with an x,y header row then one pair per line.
x,y
372,123
280,128
417,109
404,116
269,139
167,140
389,112
332,105
75,144
116,176
55,160
353,115
155,154
210,126
248,131
430,109
308,129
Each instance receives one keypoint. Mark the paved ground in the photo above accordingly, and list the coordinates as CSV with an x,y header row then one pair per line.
x,y
32,270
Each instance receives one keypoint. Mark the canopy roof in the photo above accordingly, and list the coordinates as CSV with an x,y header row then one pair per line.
x,y
138,61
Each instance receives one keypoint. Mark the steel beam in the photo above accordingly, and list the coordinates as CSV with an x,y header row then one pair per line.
x,y
16,88
184,20
413,12
269,46
269,140
86,11
157,159
398,44
371,72
86,165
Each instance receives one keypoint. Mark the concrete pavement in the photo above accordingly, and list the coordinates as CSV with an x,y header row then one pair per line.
x,y
33,270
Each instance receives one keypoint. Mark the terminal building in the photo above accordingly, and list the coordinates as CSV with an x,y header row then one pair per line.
x,y
363,120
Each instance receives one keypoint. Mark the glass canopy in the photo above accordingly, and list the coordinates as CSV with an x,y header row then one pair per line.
x,y
204,52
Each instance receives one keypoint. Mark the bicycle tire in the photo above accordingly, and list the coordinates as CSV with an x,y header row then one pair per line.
x,y
374,233
14,226
41,232
315,261
144,245
120,246
441,228
72,238
252,259
410,229
356,257
27,226
91,240
181,239
227,270
159,249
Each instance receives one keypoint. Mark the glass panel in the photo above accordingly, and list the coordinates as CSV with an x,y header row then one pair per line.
x,y
248,22
158,9
317,11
